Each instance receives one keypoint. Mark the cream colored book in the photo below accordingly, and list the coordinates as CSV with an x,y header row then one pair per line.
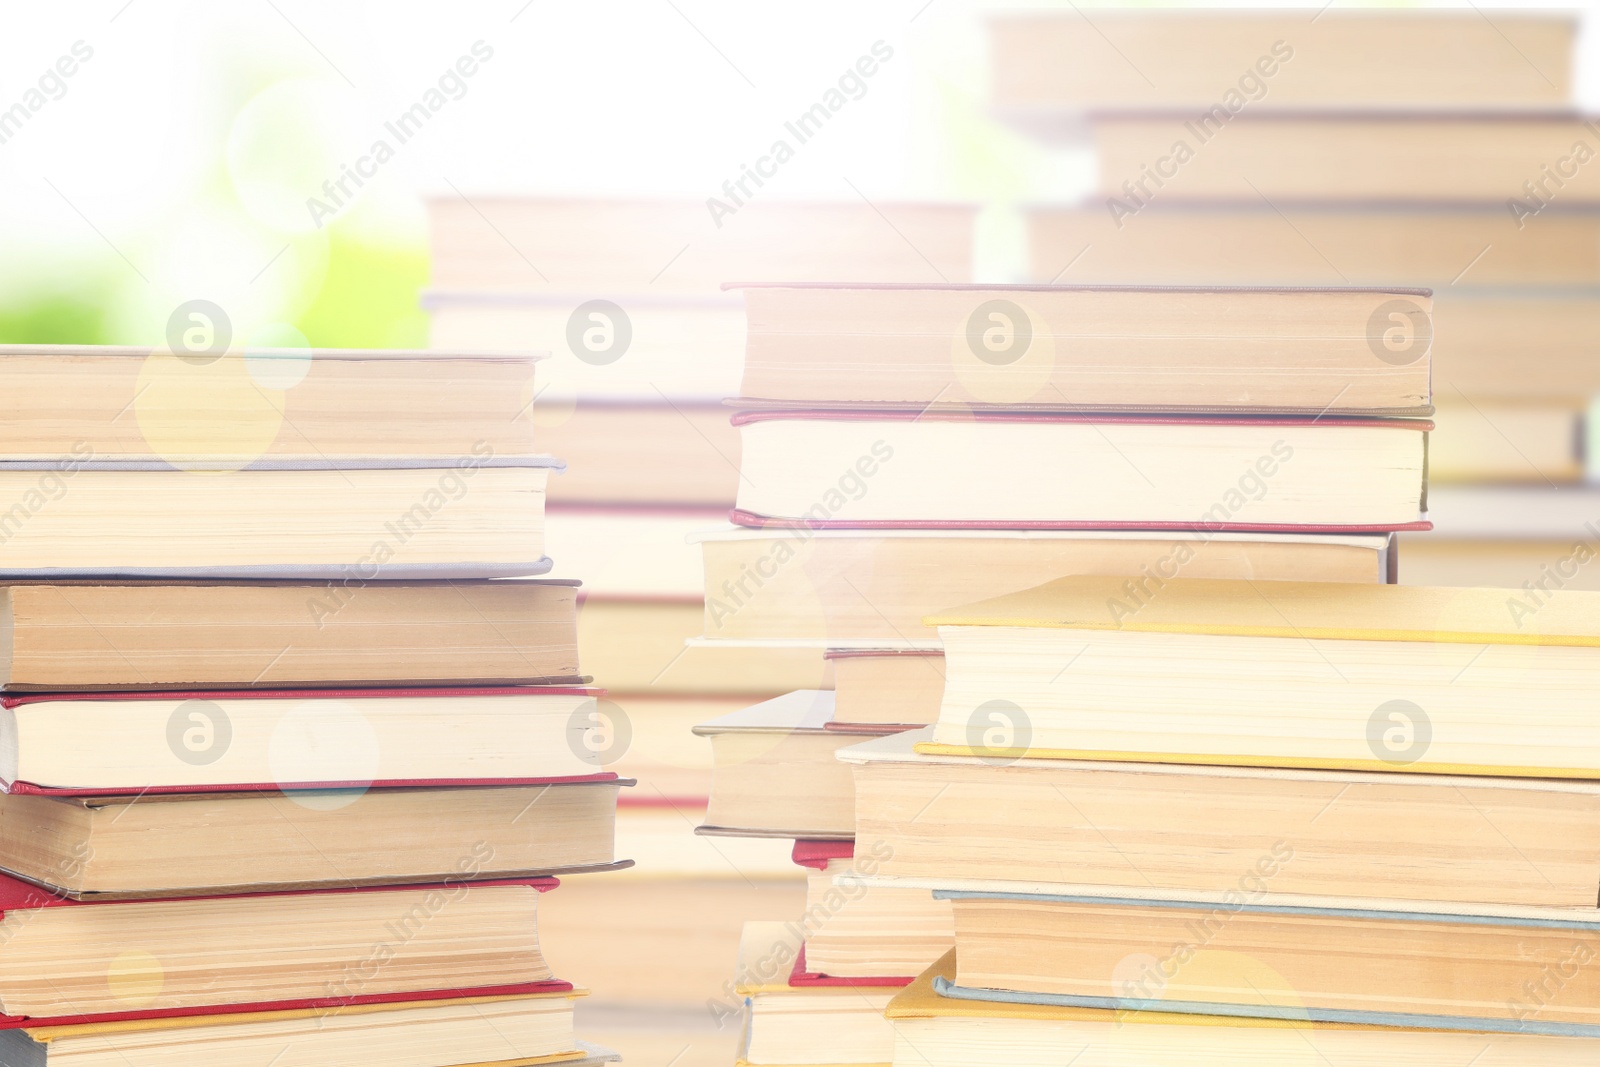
x,y
869,470
661,455
1110,58
477,516
202,397
1277,674
1465,844
161,844
886,687
187,634
870,589
83,959
1077,349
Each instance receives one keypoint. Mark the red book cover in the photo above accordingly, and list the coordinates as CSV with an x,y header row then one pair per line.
x,y
816,854
17,895
801,978
12,700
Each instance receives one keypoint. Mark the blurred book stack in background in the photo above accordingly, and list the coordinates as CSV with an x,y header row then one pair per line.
x,y
646,348
905,446
1336,147
288,765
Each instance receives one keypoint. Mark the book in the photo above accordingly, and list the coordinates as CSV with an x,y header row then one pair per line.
x,y
639,645
505,1031
817,469
1044,61
1448,245
881,687
477,516
154,844
871,588
1416,157
1084,349
224,403
1037,825
791,1023
774,772
854,929
1444,972
935,1028
198,634
100,743
74,961
691,459
1276,674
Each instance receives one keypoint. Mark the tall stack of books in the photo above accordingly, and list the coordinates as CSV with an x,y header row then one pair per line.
x,y
1261,822
286,765
646,347
1338,147
909,447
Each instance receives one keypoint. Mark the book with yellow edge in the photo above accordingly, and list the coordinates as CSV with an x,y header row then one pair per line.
x,y
933,1030
1277,674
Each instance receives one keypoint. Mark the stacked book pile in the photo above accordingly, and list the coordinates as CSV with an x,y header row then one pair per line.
x,y
1261,822
286,766
646,347
1343,147
910,447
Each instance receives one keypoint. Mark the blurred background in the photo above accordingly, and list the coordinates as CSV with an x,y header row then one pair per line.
x,y
517,174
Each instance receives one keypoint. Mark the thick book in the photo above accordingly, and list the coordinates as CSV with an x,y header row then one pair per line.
x,y
108,743
1404,157
82,961
477,516
1045,62
1278,674
1392,968
993,470
940,1026
1089,348
858,931
1464,844
223,402
870,589
155,844
349,631
502,1031
774,773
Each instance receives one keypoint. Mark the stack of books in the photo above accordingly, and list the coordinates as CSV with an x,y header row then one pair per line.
x,y
286,765
1343,147
646,347
909,447
1261,822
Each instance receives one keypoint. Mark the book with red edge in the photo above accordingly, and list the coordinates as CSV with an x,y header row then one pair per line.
x,y
802,977
1008,470
18,899
115,743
